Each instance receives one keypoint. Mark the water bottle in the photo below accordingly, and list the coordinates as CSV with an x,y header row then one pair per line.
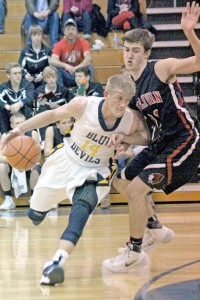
x,y
81,88
115,40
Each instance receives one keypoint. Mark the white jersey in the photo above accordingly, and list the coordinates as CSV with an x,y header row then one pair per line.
x,y
87,144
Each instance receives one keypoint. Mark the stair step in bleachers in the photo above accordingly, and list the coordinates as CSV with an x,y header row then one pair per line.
x,y
166,15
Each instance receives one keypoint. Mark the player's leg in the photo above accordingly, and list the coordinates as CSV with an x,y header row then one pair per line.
x,y
84,202
155,232
8,202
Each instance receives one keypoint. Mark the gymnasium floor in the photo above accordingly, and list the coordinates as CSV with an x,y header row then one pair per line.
x,y
173,274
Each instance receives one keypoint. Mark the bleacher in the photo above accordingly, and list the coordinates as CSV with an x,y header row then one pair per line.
x,y
170,42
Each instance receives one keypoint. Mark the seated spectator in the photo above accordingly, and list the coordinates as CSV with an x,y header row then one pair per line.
x,y
43,13
128,14
91,88
55,134
50,95
3,12
6,171
16,95
80,12
35,57
70,54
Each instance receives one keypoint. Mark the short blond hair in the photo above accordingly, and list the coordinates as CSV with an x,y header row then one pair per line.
x,y
121,83
34,29
50,71
16,116
12,65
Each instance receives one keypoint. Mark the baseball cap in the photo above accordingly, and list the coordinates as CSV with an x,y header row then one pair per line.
x,y
71,22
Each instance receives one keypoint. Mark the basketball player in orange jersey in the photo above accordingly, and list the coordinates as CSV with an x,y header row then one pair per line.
x,y
173,156
5,182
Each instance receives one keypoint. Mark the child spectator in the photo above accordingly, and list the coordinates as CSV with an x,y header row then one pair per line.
x,y
16,95
43,13
80,12
6,172
35,57
3,12
55,134
70,54
50,95
91,88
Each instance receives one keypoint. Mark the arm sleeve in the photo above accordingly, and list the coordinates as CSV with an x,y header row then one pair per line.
x,y
29,94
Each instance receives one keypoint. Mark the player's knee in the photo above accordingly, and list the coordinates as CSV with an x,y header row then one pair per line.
x,y
36,216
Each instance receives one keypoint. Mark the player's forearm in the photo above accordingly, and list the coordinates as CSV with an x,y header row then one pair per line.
x,y
38,121
137,138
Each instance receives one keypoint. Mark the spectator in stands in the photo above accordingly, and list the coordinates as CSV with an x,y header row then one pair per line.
x,y
128,14
6,171
3,12
91,88
50,95
80,12
55,134
16,95
43,13
71,53
35,57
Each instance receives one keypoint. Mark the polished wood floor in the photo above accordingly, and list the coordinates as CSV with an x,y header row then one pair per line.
x,y
24,249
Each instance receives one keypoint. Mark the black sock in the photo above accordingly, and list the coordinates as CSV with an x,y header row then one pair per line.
x,y
135,244
31,192
7,193
153,223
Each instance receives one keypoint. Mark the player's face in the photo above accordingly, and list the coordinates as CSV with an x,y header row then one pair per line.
x,y
17,122
117,103
15,75
81,76
63,125
134,56
51,81
71,33
36,39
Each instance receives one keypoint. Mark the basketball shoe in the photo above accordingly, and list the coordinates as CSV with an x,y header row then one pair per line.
x,y
127,260
153,237
8,203
53,272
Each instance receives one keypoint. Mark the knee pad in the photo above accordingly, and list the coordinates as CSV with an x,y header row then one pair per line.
x,y
36,216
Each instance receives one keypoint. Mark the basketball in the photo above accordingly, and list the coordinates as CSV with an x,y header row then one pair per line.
x,y
23,153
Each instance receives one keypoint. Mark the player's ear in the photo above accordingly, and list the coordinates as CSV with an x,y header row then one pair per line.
x,y
147,53
105,93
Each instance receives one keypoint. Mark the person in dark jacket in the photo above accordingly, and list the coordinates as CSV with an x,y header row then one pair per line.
x,y
35,57
50,95
16,95
128,14
43,13
91,88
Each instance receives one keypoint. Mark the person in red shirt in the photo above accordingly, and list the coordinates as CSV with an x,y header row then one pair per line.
x,y
70,54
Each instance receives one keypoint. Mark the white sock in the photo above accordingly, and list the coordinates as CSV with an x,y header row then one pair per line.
x,y
61,256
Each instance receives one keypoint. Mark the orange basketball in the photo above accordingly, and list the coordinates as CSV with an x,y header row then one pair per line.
x,y
23,153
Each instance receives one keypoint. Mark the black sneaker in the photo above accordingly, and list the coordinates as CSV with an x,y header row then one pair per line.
x,y
52,274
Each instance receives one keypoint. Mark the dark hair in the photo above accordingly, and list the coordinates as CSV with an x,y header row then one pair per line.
x,y
84,70
142,36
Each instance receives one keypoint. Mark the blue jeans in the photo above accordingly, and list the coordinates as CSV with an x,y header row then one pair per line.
x,y
67,79
3,11
50,25
84,23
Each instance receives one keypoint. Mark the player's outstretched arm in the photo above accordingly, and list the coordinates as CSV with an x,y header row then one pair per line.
x,y
189,20
74,108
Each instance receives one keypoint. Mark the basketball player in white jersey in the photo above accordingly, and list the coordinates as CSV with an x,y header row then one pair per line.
x,y
81,169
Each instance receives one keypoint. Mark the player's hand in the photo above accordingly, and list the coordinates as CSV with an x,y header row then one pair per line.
x,y
116,139
10,135
122,151
190,16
